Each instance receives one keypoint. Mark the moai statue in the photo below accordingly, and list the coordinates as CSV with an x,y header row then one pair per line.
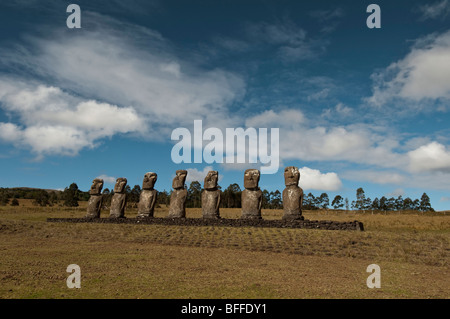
x,y
292,195
148,196
119,199
211,196
96,199
251,195
177,208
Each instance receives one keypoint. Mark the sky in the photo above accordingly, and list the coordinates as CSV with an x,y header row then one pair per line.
x,y
355,106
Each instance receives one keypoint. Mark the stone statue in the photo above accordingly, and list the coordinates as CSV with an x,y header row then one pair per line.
x,y
292,195
251,195
148,196
119,199
177,208
96,199
211,196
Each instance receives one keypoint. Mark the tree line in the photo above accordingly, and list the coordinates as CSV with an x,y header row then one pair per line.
x,y
230,198
363,203
41,197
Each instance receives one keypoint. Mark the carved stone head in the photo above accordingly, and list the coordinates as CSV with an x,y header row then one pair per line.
x,y
96,187
179,179
291,176
121,182
211,180
149,180
251,178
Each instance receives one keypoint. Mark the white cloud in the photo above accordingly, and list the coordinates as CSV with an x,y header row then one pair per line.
x,y
231,44
430,157
396,193
172,68
133,66
195,175
428,180
326,15
53,122
290,40
313,179
343,109
322,94
423,74
126,78
353,144
329,18
356,143
378,177
9,132
270,118
45,140
107,179
285,32
340,110
439,9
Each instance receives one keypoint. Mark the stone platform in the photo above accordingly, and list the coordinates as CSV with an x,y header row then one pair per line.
x,y
306,224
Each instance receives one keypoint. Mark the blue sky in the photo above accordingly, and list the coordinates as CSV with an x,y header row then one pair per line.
x,y
355,107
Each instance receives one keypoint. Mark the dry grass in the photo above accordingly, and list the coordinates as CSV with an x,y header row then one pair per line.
x,y
156,261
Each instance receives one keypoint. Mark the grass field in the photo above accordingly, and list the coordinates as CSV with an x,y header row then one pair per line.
x,y
157,261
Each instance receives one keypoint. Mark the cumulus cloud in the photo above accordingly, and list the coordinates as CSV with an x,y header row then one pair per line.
x,y
396,193
53,122
195,175
430,157
126,78
107,179
423,74
301,140
347,143
110,63
312,179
